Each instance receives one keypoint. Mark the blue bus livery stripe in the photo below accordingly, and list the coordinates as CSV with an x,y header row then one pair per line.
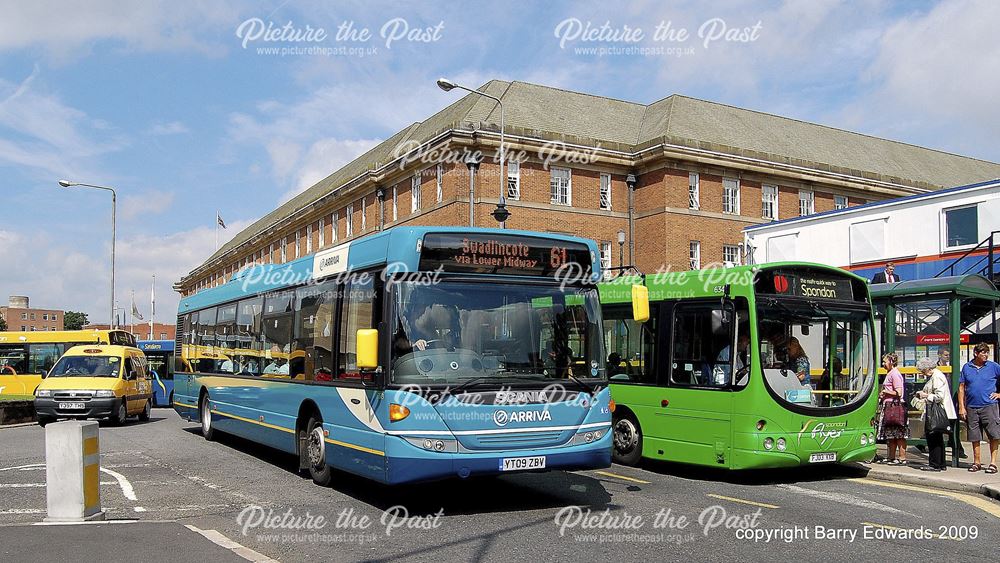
x,y
250,420
353,447
497,431
180,404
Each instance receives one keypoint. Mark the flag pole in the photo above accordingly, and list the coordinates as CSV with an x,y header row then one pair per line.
x,y
131,315
152,305
216,230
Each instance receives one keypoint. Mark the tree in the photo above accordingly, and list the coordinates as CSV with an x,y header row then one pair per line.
x,y
74,321
3,324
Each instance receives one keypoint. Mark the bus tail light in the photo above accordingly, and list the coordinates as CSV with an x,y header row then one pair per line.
x,y
397,412
611,405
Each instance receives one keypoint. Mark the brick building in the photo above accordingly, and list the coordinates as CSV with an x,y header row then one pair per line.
x,y
20,316
161,331
680,178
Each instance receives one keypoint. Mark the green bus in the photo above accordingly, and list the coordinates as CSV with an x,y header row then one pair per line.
x,y
799,389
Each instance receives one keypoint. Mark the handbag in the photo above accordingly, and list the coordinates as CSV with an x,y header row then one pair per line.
x,y
937,419
894,414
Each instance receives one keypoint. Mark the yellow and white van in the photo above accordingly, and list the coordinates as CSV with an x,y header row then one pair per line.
x,y
96,381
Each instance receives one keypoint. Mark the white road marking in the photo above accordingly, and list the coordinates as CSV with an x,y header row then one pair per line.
x,y
28,485
28,467
22,511
127,489
139,509
222,541
842,499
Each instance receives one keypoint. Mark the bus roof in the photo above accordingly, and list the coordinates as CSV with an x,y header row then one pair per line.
x,y
58,336
397,246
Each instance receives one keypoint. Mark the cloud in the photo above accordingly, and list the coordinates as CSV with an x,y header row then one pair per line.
x,y
69,30
66,276
323,158
44,134
152,202
169,128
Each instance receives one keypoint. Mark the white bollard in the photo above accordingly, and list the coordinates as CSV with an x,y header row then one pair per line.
x,y
72,471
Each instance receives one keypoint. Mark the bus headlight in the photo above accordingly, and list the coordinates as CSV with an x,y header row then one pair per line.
x,y
588,437
781,444
43,393
439,446
864,439
104,393
768,443
598,434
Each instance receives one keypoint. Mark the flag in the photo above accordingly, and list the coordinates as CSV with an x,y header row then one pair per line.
x,y
135,310
218,218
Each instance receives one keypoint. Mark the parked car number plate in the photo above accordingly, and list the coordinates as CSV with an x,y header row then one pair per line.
x,y
72,406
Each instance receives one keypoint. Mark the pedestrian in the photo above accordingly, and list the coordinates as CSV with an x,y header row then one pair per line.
x,y
888,275
893,431
977,404
935,392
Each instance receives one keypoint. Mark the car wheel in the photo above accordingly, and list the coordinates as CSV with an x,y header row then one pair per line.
x,y
121,415
205,411
322,474
627,440
43,420
146,410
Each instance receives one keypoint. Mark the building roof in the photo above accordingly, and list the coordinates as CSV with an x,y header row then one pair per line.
x,y
543,112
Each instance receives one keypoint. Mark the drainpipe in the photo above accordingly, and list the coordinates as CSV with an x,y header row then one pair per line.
x,y
380,195
631,180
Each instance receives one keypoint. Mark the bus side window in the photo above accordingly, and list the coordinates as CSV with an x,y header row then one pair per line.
x,y
702,333
630,347
312,343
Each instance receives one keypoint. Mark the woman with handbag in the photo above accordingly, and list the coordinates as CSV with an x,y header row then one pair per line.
x,y
939,412
891,416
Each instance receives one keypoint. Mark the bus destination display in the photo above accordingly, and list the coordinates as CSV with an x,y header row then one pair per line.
x,y
807,285
501,254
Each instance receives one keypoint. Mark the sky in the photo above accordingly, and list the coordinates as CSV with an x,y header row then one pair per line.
x,y
189,108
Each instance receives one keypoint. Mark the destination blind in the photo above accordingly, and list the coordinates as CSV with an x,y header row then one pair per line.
x,y
806,285
502,254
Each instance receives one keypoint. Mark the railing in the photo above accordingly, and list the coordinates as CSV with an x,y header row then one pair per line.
x,y
990,258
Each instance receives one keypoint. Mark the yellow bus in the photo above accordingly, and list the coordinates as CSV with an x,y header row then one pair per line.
x,y
25,357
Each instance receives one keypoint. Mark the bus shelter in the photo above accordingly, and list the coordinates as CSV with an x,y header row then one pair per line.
x,y
942,318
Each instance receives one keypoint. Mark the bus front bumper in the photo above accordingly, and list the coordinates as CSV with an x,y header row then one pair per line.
x,y
406,463
93,408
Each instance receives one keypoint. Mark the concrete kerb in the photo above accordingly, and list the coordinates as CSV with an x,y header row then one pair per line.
x,y
991,490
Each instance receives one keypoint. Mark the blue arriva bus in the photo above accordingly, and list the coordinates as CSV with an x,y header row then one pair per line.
x,y
409,355
160,355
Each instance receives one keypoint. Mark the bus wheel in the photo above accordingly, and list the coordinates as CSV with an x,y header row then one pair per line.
x,y
121,415
321,473
627,440
205,411
144,415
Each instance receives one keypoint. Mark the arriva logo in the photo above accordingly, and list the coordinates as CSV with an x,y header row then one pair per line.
x,y
501,418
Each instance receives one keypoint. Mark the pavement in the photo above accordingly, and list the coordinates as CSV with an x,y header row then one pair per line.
x,y
171,495
952,479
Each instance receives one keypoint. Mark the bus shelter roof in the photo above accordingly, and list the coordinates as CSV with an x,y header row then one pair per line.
x,y
968,286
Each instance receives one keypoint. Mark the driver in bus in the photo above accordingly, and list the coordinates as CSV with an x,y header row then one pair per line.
x,y
424,324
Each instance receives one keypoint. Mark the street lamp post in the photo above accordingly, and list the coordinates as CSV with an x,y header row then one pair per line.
x,y
501,214
114,205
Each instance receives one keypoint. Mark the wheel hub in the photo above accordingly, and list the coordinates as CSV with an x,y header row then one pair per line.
x,y
625,436
316,448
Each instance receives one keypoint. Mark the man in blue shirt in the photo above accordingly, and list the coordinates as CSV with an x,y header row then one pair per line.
x,y
977,404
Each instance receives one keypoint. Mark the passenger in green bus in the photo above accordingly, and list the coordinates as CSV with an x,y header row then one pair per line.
x,y
798,361
615,366
721,373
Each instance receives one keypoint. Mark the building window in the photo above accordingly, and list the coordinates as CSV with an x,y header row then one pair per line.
x,y
840,202
32,316
514,180
561,184
440,182
693,191
415,193
333,227
284,244
349,218
807,204
731,255
605,257
395,198
24,316
322,232
270,256
163,336
54,317
769,202
606,192
23,328
364,215
297,242
45,316
961,226
309,239
694,254
731,196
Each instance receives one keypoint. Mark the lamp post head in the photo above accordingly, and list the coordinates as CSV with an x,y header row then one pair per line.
x,y
66,183
500,213
621,237
446,85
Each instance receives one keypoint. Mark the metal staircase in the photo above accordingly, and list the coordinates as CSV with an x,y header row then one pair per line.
x,y
987,265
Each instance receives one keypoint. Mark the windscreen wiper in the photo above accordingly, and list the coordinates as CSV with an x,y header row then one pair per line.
x,y
794,314
467,384
582,384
